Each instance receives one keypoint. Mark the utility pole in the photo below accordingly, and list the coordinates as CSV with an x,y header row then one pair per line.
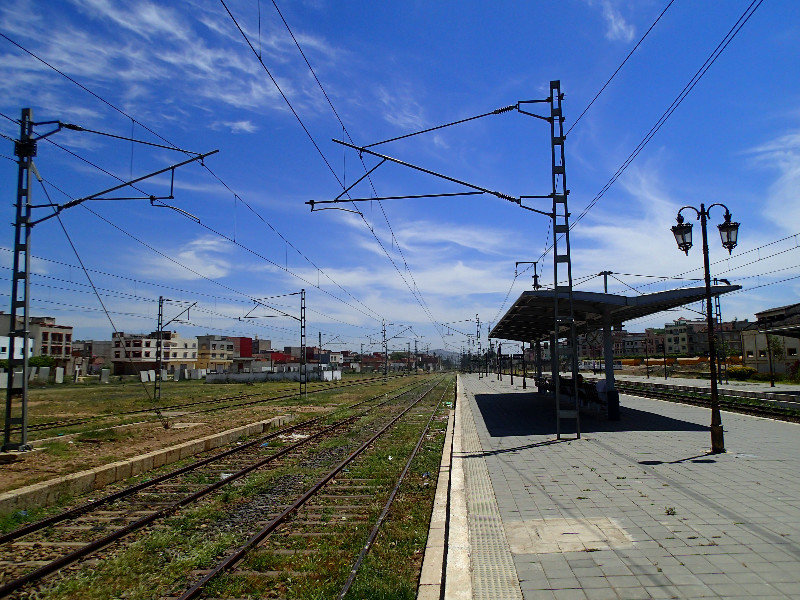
x,y
303,374
563,316
385,354
605,275
25,150
408,361
160,349
524,385
500,361
415,357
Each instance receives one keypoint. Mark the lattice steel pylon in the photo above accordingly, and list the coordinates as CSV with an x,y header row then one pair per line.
x,y
303,373
563,309
25,149
159,352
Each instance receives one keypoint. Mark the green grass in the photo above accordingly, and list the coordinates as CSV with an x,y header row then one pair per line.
x,y
158,563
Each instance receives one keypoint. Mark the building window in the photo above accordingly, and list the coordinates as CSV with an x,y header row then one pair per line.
x,y
791,352
116,354
174,355
762,353
147,344
185,354
45,335
749,354
147,353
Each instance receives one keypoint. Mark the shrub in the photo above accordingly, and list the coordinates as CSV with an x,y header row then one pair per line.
x,y
740,373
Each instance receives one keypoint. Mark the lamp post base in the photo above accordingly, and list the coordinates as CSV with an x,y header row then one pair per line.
x,y
717,440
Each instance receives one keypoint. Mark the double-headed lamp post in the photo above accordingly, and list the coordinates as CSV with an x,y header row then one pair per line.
x,y
728,231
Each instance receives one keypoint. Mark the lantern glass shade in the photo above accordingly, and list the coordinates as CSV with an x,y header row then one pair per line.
x,y
729,232
683,236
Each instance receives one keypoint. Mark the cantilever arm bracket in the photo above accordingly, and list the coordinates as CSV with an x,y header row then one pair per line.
x,y
100,195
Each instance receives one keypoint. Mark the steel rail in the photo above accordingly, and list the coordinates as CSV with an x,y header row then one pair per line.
x,y
385,512
236,556
130,490
727,402
100,543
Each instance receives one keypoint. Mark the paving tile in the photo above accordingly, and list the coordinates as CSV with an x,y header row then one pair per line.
x,y
725,540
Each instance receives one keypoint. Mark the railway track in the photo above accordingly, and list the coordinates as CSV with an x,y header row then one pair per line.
x,y
331,514
236,401
730,403
38,550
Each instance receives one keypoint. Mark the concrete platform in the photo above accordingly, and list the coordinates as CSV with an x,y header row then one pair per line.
x,y
634,509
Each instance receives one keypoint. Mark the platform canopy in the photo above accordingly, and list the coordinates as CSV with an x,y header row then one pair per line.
x,y
531,316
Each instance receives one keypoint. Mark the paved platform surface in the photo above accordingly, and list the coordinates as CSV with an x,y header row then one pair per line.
x,y
634,509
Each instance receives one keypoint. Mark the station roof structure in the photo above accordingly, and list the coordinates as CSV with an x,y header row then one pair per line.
x,y
531,316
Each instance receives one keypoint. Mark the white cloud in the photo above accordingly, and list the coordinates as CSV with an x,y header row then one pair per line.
x,y
204,256
216,66
782,154
618,29
243,126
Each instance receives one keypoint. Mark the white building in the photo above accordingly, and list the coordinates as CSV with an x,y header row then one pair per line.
x,y
5,342
134,352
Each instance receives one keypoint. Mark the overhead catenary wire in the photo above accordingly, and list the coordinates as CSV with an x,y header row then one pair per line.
x,y
159,136
209,228
712,58
415,294
622,64
415,291
150,398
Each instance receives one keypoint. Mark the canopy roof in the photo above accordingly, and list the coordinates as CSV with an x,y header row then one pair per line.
x,y
531,316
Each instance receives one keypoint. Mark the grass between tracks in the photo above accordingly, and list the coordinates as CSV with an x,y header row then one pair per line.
x,y
161,561
95,444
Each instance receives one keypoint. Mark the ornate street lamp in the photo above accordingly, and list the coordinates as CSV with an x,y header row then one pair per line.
x,y
728,232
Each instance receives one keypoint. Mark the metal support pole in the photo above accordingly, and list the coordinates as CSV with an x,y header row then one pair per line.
x,y
25,150
385,354
563,317
769,358
717,435
159,352
500,362
524,385
303,372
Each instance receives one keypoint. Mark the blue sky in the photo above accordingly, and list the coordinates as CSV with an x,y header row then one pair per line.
x,y
183,70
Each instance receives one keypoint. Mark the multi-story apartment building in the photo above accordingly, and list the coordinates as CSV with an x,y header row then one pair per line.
x,y
654,341
49,339
134,352
215,353
786,351
686,337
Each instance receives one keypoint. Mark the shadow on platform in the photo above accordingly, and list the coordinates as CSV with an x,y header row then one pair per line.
x,y
521,414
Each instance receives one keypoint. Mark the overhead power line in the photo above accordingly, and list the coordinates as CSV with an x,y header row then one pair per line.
x,y
712,58
622,64
165,140
416,295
